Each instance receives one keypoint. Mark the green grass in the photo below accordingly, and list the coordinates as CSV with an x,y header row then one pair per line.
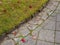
x,y
13,12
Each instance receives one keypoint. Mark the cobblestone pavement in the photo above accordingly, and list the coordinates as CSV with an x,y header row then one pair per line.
x,y
44,29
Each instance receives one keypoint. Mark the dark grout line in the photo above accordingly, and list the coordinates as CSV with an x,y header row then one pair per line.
x,y
37,38
45,41
55,26
58,21
55,31
50,29
48,41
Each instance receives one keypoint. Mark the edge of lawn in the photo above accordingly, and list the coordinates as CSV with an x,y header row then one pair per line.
x,y
24,21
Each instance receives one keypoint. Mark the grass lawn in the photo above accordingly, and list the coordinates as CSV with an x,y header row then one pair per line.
x,y
13,12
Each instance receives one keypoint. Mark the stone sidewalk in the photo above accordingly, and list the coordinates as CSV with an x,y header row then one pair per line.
x,y
44,29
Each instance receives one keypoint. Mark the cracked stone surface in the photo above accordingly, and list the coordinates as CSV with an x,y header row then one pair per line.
x,y
44,29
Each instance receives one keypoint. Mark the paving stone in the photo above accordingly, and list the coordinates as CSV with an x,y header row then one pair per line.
x,y
11,36
58,26
58,17
57,39
52,18
46,35
32,26
51,6
28,37
36,20
35,33
49,24
17,40
23,26
30,41
6,38
40,22
24,31
44,43
48,11
18,34
55,3
32,22
44,15
8,42
57,11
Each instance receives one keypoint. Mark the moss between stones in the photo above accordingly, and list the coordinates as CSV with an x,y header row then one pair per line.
x,y
13,12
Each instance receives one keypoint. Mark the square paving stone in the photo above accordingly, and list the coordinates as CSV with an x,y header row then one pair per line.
x,y
57,39
58,26
49,24
30,41
52,18
44,43
35,32
10,35
44,15
47,35
36,20
58,17
57,12
48,11
24,31
55,3
22,27
32,26
51,6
